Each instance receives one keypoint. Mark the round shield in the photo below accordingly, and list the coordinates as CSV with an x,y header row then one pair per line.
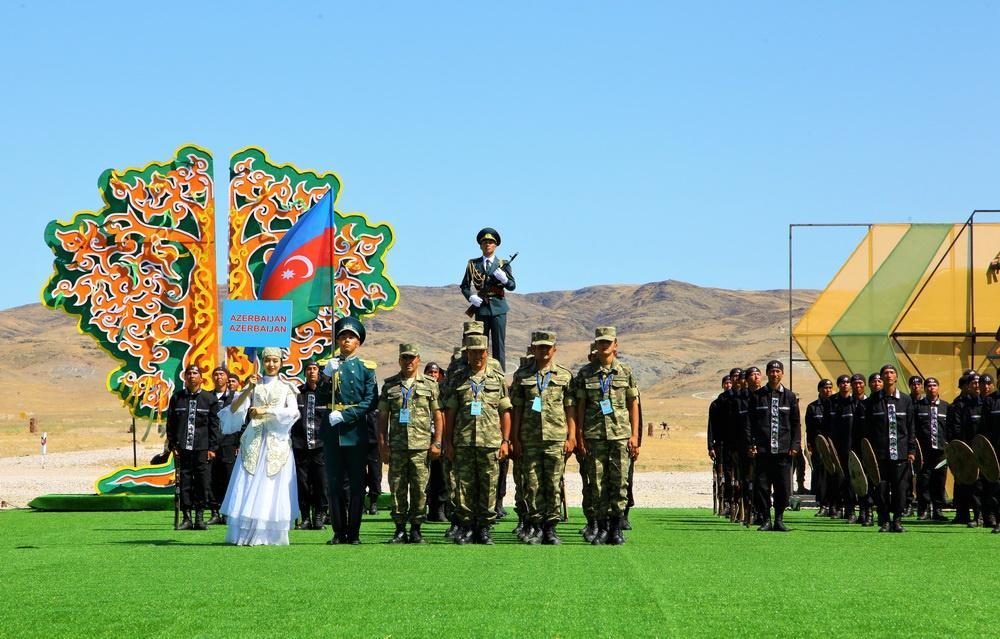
x,y
823,450
859,481
834,458
870,462
962,462
918,459
986,457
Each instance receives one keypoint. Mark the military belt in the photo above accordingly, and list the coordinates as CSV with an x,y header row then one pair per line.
x,y
341,406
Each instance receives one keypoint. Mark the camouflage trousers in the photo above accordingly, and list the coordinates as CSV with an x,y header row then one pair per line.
x,y
408,473
608,472
520,505
588,493
448,474
476,470
544,464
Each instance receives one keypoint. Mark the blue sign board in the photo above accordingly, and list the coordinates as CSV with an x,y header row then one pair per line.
x,y
257,323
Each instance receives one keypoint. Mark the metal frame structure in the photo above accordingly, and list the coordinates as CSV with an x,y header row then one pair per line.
x,y
971,332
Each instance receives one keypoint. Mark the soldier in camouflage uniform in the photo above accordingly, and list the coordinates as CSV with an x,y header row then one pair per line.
x,y
583,460
544,435
608,413
477,438
517,467
408,412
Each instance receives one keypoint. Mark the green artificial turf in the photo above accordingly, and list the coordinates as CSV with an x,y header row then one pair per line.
x,y
682,573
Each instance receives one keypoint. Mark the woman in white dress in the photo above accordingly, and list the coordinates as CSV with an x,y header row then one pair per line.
x,y
262,503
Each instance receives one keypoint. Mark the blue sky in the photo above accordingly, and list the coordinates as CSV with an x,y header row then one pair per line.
x,y
608,142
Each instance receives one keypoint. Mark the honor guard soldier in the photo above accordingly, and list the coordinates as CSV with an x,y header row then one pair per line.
x,y
839,427
716,447
517,463
486,280
774,430
345,440
964,420
225,458
744,464
314,399
889,417
477,437
544,435
410,428
193,435
990,429
608,413
816,413
589,501
932,434
437,493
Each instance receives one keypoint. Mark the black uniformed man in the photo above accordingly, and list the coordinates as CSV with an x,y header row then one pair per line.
x,y
991,489
932,433
816,413
745,466
437,493
222,464
484,284
964,423
867,501
314,399
716,446
774,430
193,435
839,426
889,427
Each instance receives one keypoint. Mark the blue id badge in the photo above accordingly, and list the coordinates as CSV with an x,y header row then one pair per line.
x,y
606,407
476,408
536,404
404,415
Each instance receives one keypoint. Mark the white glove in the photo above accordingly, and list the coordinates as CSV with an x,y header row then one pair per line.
x,y
336,417
331,367
475,300
501,275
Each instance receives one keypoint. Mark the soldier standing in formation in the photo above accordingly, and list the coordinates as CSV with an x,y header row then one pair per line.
x,y
543,436
314,399
345,440
716,446
485,283
222,463
963,424
410,430
931,432
817,424
608,414
477,438
774,430
889,418
193,435
840,428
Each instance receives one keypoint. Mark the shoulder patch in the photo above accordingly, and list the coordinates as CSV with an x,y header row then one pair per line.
x,y
369,364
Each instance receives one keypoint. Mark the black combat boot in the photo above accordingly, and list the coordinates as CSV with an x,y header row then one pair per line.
x,y
533,534
615,536
400,536
186,521
462,536
767,526
483,537
937,515
519,529
199,520
317,520
373,505
451,532
588,527
549,536
216,518
589,530
303,524
415,536
897,526
779,522
601,534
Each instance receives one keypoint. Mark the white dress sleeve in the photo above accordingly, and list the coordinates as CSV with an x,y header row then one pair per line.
x,y
284,417
233,422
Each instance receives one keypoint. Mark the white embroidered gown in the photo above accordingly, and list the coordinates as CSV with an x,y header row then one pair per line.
x,y
262,500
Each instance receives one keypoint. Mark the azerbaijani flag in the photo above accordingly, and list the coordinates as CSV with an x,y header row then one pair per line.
x,y
301,268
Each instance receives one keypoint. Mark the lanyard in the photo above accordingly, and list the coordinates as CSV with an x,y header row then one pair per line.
x,y
542,384
606,379
476,388
407,392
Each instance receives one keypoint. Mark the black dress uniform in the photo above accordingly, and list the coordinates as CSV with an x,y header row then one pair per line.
x,y
840,429
774,428
717,428
492,312
737,444
964,423
990,428
373,463
889,420
307,446
816,413
222,464
193,430
932,433
866,502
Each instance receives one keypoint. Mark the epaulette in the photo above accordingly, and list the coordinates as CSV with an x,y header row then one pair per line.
x,y
369,364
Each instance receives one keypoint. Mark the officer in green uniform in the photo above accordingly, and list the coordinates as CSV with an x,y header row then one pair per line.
x,y
477,438
345,441
409,433
608,413
486,280
544,435
583,460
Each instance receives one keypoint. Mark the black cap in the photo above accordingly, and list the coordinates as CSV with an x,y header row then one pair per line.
x,y
775,364
431,366
750,369
736,372
915,379
220,368
886,367
823,382
309,362
986,378
930,380
726,378
487,233
843,378
191,367
874,376
857,377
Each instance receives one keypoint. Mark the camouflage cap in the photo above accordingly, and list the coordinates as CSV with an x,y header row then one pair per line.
x,y
472,328
409,350
458,350
474,342
605,333
543,338
593,347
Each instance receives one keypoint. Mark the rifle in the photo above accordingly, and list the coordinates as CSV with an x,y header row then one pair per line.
x,y
562,497
715,487
484,291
